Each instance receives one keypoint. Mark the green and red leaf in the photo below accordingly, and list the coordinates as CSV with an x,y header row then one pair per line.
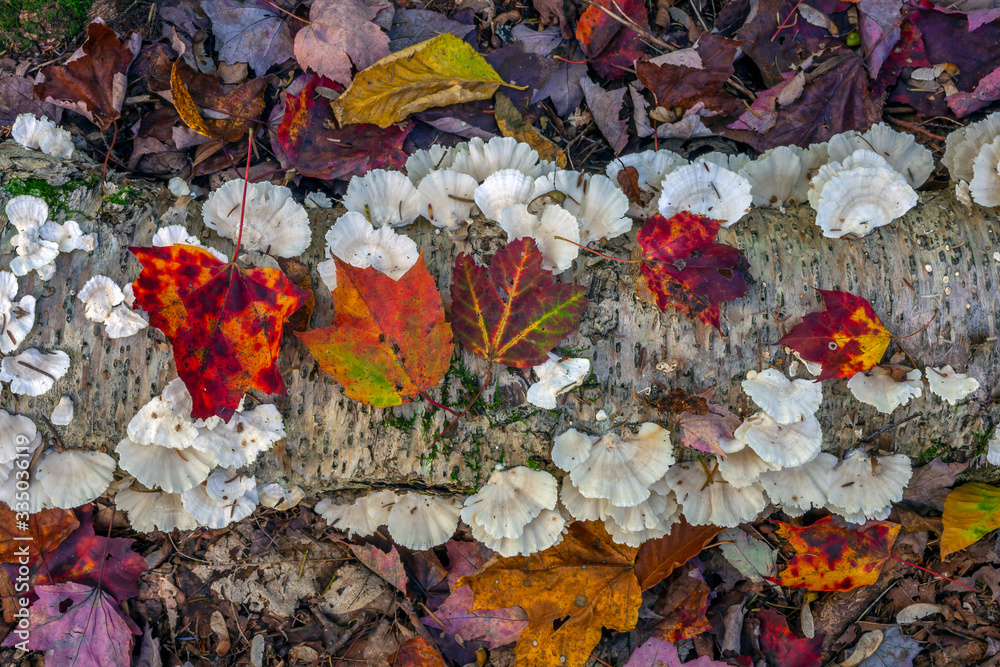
x,y
224,322
389,340
514,313
685,268
847,338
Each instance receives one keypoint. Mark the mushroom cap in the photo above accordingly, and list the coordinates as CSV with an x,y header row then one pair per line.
x,y
622,467
420,522
647,514
580,507
502,189
802,487
27,212
165,421
860,518
859,159
62,413
877,387
75,477
635,539
425,162
247,435
273,221
16,431
810,161
153,510
731,161
213,514
56,142
784,445
510,500
16,317
170,469
67,236
279,498
387,198
178,187
177,234
317,200
993,451
557,255
32,373
353,240
856,201
985,185
786,401
556,376
447,197
124,322
944,382
706,189
100,295
362,517
704,499
651,167
37,498
743,468
963,145
773,177
595,200
869,484
33,254
544,531
900,149
571,448
225,484
485,158
28,128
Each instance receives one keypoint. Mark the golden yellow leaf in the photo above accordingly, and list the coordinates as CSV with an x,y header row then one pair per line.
x,y
970,512
512,124
586,577
184,103
435,73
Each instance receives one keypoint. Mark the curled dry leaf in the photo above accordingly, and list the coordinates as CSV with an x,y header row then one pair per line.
x,y
512,124
94,84
439,72
239,108
605,106
658,558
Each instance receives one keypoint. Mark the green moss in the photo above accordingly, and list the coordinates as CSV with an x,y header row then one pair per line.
x,y
123,197
24,22
401,423
937,448
54,195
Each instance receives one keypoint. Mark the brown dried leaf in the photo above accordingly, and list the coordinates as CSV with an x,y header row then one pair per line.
x,y
606,106
658,558
512,124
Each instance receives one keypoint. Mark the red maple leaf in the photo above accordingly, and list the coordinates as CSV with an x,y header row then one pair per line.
x,y
781,647
685,268
316,147
847,338
223,321
513,313
611,48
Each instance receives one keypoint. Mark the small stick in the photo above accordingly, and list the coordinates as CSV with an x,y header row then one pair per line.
x,y
869,438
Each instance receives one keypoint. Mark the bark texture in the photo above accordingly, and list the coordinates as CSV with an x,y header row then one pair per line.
x,y
939,257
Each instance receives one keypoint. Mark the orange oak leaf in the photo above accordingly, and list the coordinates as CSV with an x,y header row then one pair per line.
x,y
658,558
233,112
389,341
92,85
513,313
417,652
847,338
223,321
685,268
832,558
586,580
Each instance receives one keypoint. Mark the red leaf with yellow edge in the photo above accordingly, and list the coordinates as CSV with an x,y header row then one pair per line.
x,y
586,580
389,341
611,48
513,313
46,529
833,558
970,512
847,338
780,646
685,268
316,147
223,321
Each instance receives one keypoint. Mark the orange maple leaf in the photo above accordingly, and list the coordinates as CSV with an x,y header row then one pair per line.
x,y
223,321
832,558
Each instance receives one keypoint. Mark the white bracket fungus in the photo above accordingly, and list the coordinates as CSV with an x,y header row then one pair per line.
x,y
880,387
786,401
949,385
706,189
273,223
16,316
353,240
32,372
153,510
556,376
419,522
510,500
362,517
386,198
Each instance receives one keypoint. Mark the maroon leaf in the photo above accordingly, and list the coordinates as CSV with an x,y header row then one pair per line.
x,y
611,48
385,565
17,97
879,27
782,648
682,79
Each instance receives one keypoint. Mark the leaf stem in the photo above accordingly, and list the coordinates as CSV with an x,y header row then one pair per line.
x,y
599,254
918,330
479,393
243,206
430,400
936,574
